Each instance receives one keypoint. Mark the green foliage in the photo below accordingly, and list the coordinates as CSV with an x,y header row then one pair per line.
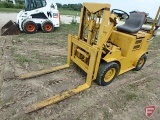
x,y
11,5
6,5
75,7
19,6
20,2
59,5
66,9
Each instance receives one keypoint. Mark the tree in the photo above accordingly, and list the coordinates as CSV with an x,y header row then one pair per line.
x,y
75,7
65,6
59,5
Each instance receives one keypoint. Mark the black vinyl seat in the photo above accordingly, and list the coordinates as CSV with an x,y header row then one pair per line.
x,y
133,24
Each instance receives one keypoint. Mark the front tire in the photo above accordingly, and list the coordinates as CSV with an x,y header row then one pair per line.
x,y
107,73
30,27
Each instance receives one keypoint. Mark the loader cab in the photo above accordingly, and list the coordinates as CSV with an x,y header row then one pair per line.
x,y
34,4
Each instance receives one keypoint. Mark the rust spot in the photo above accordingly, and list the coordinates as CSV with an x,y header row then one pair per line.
x,y
71,92
108,9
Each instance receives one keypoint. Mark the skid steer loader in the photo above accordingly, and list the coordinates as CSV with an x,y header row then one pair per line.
x,y
102,49
36,14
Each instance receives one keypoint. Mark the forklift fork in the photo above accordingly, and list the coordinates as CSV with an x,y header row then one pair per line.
x,y
90,76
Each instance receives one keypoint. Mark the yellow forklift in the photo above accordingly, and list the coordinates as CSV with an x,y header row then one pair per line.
x,y
102,49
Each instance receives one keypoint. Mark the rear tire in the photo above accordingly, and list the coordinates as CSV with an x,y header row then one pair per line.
x,y
30,27
107,73
141,62
47,26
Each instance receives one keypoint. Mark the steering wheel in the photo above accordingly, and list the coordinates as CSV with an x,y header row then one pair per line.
x,y
121,14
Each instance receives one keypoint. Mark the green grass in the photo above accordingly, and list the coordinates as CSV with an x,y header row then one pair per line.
x,y
21,58
133,87
10,10
8,100
62,11
106,115
36,58
130,96
62,31
59,38
127,95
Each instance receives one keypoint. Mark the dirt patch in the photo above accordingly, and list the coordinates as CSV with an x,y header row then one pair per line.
x,y
124,99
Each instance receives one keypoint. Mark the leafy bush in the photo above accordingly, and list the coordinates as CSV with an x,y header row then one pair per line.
x,y
10,5
6,5
19,6
75,7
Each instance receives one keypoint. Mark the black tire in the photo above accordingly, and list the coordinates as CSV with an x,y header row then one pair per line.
x,y
30,27
141,62
102,72
22,25
47,26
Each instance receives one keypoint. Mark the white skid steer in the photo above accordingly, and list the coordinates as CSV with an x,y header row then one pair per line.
x,y
36,14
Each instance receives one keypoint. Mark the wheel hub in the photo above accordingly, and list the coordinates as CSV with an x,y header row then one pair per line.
x,y
141,62
30,27
48,27
109,75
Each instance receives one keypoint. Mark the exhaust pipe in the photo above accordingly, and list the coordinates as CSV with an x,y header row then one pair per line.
x,y
10,28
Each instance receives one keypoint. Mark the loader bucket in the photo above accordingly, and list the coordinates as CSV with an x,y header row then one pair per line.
x,y
10,28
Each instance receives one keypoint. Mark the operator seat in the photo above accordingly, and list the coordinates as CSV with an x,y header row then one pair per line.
x,y
133,24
